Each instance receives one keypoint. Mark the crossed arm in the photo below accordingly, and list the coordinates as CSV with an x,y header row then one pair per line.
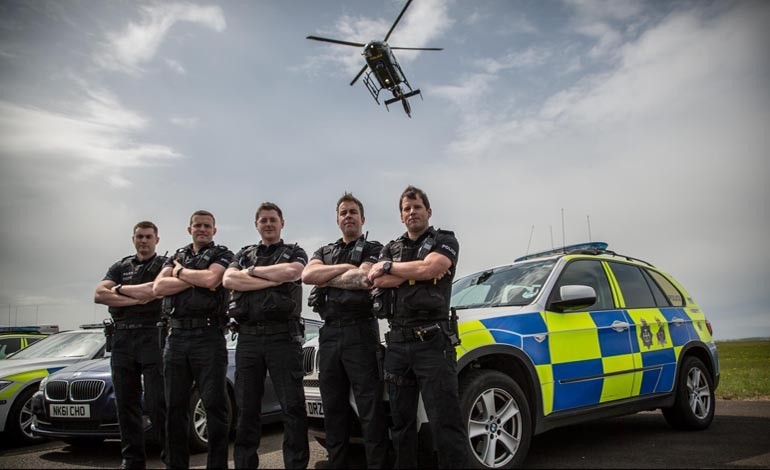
x,y
264,276
173,280
341,276
129,295
434,266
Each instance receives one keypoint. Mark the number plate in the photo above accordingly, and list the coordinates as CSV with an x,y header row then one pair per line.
x,y
70,411
315,409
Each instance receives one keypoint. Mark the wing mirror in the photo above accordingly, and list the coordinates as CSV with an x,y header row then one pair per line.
x,y
574,298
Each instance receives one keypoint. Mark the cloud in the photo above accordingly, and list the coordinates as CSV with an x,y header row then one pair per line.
x,y
176,66
186,122
516,59
606,22
138,43
103,134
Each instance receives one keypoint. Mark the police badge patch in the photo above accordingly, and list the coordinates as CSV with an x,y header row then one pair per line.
x,y
661,334
646,334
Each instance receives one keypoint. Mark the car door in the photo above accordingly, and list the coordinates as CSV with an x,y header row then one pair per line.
x,y
658,328
591,353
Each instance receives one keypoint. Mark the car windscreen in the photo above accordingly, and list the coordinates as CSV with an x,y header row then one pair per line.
x,y
60,345
506,286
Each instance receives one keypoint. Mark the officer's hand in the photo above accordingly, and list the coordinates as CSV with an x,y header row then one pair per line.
x,y
376,271
445,273
177,267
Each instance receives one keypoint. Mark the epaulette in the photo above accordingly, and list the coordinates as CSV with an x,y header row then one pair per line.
x,y
444,232
221,248
182,250
248,247
127,257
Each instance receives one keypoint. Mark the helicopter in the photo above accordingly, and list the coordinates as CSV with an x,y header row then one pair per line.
x,y
383,65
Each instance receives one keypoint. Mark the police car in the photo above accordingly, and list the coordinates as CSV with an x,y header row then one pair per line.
x,y
566,336
22,372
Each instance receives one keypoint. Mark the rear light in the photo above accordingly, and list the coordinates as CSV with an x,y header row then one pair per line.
x,y
708,326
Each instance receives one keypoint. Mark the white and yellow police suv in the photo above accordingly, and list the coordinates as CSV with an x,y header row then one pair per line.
x,y
566,336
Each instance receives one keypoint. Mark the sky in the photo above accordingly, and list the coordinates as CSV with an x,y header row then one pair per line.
x,y
644,124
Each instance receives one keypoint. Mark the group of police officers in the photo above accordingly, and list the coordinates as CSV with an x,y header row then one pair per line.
x,y
408,281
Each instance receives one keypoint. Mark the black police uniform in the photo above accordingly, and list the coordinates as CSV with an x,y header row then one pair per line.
x,y
270,340
420,356
196,351
135,353
348,345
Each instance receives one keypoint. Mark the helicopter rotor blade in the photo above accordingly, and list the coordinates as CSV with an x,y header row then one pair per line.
x,y
419,48
336,41
397,20
359,74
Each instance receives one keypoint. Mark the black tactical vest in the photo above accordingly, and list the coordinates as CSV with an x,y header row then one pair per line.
x,y
198,301
420,302
345,304
133,273
277,303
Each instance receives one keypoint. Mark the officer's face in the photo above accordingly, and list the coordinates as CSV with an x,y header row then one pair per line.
x,y
414,215
202,229
145,240
349,219
269,225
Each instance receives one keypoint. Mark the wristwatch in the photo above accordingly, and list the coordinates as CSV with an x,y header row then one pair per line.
x,y
387,266
117,289
250,271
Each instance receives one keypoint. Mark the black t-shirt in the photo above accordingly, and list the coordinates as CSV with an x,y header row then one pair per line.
x,y
342,252
416,301
198,301
132,271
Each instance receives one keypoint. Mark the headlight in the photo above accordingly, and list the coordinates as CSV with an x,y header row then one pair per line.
x,y
5,383
43,382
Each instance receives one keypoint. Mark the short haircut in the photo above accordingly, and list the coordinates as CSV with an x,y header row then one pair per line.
x,y
348,197
268,206
413,193
146,224
202,212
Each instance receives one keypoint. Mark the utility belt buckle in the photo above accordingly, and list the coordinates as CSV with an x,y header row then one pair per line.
x,y
420,332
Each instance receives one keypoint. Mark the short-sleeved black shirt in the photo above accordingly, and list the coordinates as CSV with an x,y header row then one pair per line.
x,y
404,249
342,252
264,254
197,301
131,271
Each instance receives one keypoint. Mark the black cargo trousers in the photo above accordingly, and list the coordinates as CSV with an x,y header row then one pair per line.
x,y
348,358
136,353
196,355
278,355
428,367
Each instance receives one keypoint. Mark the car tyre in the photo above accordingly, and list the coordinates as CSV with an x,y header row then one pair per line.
x,y
19,423
199,441
694,405
498,419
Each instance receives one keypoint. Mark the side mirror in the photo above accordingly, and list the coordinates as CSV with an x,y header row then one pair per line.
x,y
574,298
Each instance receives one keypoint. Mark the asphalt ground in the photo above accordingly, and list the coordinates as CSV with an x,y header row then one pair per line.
x,y
739,437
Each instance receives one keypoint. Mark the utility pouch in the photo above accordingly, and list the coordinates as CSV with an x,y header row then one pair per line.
x,y
109,330
234,305
162,332
167,306
382,303
317,299
297,331
454,333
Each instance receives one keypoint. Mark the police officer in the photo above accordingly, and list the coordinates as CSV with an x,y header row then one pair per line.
x,y
266,302
415,272
195,350
135,309
350,338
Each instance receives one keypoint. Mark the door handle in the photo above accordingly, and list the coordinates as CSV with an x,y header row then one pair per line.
x,y
620,326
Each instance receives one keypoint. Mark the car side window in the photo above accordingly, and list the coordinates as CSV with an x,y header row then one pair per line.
x,y
672,293
634,288
586,273
9,345
660,298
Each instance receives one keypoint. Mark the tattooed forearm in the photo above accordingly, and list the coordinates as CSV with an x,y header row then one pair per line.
x,y
351,280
